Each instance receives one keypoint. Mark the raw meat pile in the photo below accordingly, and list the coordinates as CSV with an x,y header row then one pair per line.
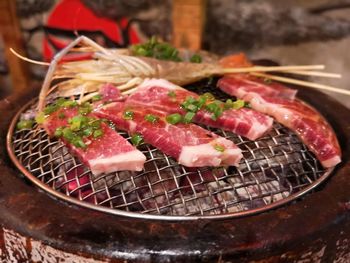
x,y
167,117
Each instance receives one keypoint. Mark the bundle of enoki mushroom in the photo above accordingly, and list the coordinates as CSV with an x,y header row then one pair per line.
x,y
126,71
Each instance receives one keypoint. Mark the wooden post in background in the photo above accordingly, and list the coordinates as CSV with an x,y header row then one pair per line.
x,y
12,36
188,23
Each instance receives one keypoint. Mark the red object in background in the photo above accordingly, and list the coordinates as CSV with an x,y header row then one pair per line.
x,y
72,15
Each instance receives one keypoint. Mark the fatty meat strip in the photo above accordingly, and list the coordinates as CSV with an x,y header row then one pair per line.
x,y
301,118
103,150
189,144
163,95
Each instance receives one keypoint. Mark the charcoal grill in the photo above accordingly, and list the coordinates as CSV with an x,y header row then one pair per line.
x,y
275,169
117,220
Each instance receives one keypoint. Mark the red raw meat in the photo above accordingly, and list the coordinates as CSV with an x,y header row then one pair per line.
x,y
190,144
154,93
108,153
243,85
305,121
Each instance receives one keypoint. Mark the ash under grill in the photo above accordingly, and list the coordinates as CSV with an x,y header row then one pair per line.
x,y
275,169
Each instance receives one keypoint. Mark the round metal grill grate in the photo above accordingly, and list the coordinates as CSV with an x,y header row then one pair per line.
x,y
275,169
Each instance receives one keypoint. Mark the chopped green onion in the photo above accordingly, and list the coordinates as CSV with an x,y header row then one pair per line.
x,y
51,108
219,147
136,139
172,94
69,104
58,132
238,104
215,108
201,101
95,124
78,142
128,115
97,133
174,118
68,134
77,122
85,108
188,117
61,115
212,107
87,131
40,118
192,107
247,105
96,97
154,48
208,96
25,124
196,58
190,104
151,118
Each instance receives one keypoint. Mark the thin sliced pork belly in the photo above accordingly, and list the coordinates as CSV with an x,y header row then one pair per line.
x,y
241,85
189,144
108,153
305,121
154,93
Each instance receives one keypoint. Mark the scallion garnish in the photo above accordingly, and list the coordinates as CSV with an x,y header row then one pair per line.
x,y
40,118
58,132
174,118
87,131
172,94
96,97
85,108
188,117
78,142
208,96
196,58
151,118
128,115
97,133
61,115
156,49
68,134
136,139
25,124
219,147
238,104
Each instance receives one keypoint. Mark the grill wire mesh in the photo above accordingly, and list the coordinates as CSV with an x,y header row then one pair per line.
x,y
274,167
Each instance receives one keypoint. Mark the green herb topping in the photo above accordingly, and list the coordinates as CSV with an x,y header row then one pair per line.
x,y
208,102
151,118
219,147
188,117
25,124
59,103
136,139
128,115
96,97
196,58
172,94
238,104
174,118
80,127
156,49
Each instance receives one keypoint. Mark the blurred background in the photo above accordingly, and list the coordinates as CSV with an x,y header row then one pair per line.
x,y
288,32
